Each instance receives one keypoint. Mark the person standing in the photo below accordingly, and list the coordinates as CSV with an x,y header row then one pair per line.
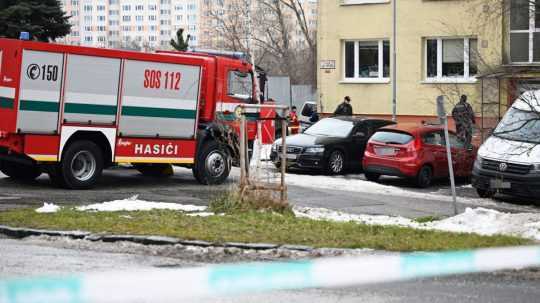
x,y
345,108
294,123
464,118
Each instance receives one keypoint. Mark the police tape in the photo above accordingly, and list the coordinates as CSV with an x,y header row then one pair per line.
x,y
175,285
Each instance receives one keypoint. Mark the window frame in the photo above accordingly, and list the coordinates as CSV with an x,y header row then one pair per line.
x,y
530,31
380,63
467,78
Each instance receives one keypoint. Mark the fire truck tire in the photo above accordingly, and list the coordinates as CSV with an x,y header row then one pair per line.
x,y
20,172
81,166
155,170
213,164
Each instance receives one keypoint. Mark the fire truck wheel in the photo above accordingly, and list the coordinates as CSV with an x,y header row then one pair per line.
x,y
155,170
81,166
213,164
20,171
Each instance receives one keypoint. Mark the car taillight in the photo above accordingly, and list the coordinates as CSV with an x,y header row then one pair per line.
x,y
370,148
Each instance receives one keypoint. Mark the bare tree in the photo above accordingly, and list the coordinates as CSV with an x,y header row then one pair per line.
x,y
275,22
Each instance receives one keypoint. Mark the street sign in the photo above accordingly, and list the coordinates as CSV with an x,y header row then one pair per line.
x,y
328,64
441,112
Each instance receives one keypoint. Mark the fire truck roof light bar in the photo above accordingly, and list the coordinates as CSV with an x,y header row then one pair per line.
x,y
231,54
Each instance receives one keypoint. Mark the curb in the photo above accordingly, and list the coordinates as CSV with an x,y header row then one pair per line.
x,y
20,233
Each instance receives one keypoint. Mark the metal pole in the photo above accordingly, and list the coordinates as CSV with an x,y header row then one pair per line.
x,y
283,159
450,164
394,56
242,151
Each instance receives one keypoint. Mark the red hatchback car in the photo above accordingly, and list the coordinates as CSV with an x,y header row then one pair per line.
x,y
415,151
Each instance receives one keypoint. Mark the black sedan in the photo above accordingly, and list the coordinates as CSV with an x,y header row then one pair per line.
x,y
333,145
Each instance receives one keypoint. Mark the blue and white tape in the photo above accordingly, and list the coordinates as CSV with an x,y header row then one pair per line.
x,y
173,285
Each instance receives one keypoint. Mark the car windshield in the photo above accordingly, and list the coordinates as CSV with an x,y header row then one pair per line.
x,y
331,128
390,137
519,125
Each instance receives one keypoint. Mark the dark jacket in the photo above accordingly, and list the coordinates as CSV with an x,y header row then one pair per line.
x,y
344,109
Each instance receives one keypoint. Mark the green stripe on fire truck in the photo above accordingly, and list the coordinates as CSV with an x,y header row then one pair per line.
x,y
158,112
39,106
91,109
6,102
232,116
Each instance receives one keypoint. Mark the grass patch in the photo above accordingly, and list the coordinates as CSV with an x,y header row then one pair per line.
x,y
255,227
259,201
427,219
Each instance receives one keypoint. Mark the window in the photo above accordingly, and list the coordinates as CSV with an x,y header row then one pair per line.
x,y
455,58
239,85
433,138
126,18
524,31
367,60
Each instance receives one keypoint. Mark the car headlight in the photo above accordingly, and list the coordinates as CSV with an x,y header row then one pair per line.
x,y
478,162
315,150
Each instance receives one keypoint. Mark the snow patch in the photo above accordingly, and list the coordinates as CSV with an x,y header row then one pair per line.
x,y
134,204
130,204
480,221
48,208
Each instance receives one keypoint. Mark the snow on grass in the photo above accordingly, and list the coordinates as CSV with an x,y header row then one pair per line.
x,y
478,220
130,204
134,204
48,208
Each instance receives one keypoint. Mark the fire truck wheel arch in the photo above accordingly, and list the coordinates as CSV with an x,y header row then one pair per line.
x,y
104,137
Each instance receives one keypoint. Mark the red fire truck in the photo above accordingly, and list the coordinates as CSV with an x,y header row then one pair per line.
x,y
72,111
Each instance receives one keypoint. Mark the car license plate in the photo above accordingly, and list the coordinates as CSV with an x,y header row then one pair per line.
x,y
500,184
292,156
385,151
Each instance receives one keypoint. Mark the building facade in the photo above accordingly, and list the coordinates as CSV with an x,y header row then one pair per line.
x,y
142,24
449,48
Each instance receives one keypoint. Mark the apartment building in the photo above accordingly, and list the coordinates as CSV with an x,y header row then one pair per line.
x,y
144,24
215,11
486,49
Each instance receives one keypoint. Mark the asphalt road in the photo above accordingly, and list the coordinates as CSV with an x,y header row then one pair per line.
x,y
122,183
39,256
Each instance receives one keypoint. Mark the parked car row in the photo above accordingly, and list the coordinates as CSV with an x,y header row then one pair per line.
x,y
507,162
381,147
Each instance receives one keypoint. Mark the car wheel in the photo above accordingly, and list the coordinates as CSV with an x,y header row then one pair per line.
x,y
373,177
424,177
485,193
336,163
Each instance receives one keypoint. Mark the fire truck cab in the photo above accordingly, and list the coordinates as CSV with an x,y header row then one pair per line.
x,y
72,111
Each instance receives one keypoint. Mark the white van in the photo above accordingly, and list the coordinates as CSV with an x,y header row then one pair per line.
x,y
509,160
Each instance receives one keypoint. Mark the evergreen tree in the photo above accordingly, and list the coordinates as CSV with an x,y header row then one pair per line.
x,y
44,19
179,44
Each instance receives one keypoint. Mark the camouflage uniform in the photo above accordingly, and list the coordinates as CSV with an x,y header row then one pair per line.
x,y
463,115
